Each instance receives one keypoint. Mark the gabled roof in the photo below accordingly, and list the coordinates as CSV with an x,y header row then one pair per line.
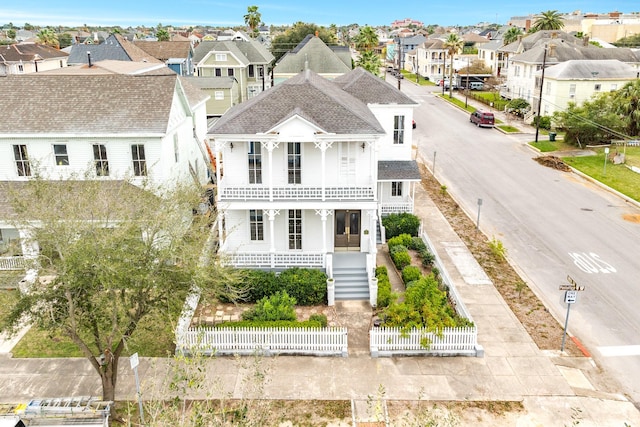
x,y
248,52
110,66
371,89
28,52
165,50
433,44
591,69
308,95
528,41
93,104
319,57
114,47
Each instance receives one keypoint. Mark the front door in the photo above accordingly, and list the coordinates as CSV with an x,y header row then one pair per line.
x,y
347,230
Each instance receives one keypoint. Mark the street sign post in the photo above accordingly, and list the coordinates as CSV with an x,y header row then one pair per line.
x,y
570,298
133,360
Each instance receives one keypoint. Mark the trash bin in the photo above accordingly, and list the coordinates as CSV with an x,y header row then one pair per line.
x,y
552,136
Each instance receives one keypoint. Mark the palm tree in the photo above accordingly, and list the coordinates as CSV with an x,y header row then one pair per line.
x,y
253,19
366,39
370,61
163,35
627,102
48,37
511,35
549,20
453,44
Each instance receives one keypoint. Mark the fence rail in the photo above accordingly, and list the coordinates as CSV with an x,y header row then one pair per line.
x,y
331,341
13,263
295,192
276,260
385,341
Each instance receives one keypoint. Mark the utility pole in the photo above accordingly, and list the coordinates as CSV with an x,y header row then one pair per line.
x,y
544,62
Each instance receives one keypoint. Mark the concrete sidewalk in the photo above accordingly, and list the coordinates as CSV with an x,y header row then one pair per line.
x,y
551,387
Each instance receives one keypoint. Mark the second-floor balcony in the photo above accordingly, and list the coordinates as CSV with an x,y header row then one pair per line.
x,y
294,192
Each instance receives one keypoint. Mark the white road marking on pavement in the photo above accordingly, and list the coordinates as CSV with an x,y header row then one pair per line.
x,y
619,350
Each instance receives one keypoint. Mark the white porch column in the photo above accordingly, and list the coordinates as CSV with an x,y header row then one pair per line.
x,y
373,216
324,213
270,146
323,146
271,213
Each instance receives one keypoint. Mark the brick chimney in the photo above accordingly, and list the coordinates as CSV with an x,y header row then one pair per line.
x,y
552,50
585,41
527,25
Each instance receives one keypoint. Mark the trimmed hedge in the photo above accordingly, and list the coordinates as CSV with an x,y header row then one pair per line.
x,y
404,223
401,259
307,285
279,306
403,239
385,296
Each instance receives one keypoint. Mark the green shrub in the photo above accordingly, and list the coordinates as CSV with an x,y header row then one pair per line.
x,y
410,273
260,284
545,122
279,306
307,285
497,248
320,318
402,239
273,324
404,223
401,259
385,296
397,248
427,258
417,244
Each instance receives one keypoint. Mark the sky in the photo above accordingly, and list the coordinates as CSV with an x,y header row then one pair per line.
x,y
127,13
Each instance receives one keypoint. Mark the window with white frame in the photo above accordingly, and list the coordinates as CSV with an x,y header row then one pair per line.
x,y
230,72
218,95
255,162
398,129
572,91
294,163
252,70
221,56
218,72
22,160
100,159
252,90
396,188
60,154
139,160
20,68
597,87
256,224
176,151
295,229
548,88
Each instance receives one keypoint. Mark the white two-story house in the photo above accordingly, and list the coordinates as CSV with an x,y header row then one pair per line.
x,y
149,128
308,168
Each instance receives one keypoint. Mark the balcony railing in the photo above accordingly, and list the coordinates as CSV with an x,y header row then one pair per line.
x,y
275,260
295,192
387,208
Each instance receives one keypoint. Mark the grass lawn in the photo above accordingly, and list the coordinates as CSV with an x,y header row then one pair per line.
x,y
153,338
548,146
412,78
618,177
7,299
509,129
457,102
10,279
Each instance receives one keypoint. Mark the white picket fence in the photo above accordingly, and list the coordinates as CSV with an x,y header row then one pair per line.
x,y
13,263
388,341
331,341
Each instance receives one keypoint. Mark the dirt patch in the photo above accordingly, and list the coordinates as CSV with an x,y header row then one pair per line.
x,y
543,328
553,162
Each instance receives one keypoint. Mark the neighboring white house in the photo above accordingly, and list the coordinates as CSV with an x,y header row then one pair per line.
x,y
100,126
577,81
309,167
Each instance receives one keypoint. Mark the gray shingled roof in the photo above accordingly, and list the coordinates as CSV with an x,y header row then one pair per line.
x,y
249,52
320,57
584,69
308,95
565,51
89,104
398,170
371,89
115,47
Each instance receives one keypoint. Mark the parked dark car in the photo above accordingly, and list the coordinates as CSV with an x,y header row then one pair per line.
x,y
482,118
